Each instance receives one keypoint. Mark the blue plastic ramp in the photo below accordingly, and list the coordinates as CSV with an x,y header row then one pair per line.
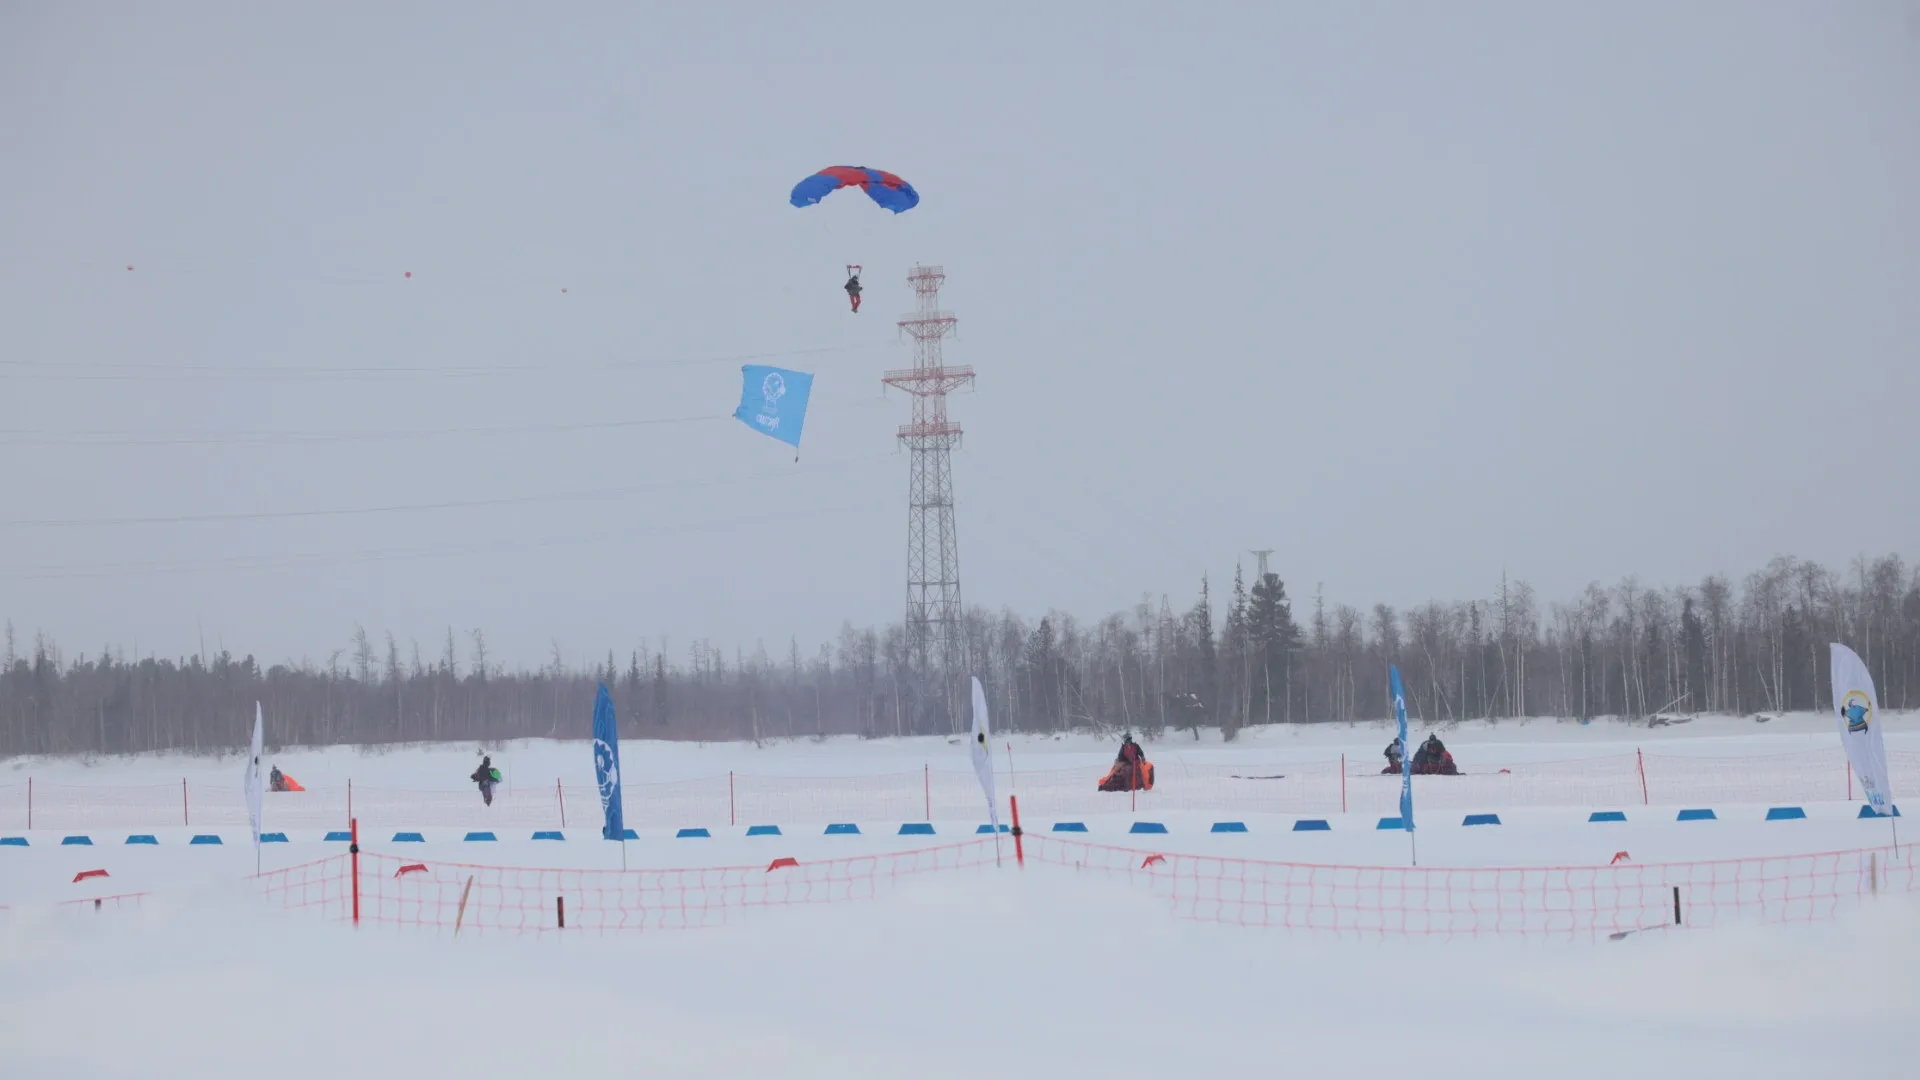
x,y
205,838
142,838
1229,826
763,830
1069,826
1607,815
843,829
1697,815
1481,819
1312,825
1785,813
480,837
1147,827
77,841
917,828
692,834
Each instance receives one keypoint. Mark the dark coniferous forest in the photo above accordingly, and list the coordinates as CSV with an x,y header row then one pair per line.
x,y
1234,654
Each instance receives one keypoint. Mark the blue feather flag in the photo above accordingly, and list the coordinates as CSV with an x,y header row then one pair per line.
x,y
606,764
1406,750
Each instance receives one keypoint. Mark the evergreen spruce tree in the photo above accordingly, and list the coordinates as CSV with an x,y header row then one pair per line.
x,y
1272,636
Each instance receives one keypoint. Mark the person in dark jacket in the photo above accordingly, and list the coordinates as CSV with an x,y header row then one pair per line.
x,y
485,778
1433,759
1130,770
1394,755
853,288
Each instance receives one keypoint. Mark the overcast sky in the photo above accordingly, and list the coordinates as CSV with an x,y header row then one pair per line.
x,y
1410,293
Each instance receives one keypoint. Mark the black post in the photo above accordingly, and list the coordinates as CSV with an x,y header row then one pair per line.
x,y
560,905
1676,905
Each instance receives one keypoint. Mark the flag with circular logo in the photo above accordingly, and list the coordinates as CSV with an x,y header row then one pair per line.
x,y
606,764
1859,717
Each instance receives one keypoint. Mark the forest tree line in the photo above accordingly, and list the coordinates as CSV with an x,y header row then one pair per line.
x,y
1238,655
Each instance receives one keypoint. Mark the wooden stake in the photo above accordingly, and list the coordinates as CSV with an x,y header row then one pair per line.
x,y
460,916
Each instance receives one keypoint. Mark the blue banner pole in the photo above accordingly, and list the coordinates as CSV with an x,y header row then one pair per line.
x,y
1406,762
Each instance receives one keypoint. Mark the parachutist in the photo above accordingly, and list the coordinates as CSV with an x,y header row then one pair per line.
x,y
853,287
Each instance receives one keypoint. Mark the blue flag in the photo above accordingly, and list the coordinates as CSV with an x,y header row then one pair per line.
x,y
606,764
773,401
1406,752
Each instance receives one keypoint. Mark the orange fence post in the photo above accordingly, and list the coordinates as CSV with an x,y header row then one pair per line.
x,y
1019,846
353,849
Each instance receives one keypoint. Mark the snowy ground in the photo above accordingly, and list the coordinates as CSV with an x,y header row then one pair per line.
x,y
537,762
1016,976
989,971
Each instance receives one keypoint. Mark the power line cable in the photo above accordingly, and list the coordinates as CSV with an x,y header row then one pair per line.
x,y
419,507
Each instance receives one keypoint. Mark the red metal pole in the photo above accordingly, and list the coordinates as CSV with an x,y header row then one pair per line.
x,y
1019,845
1343,783
1641,759
185,817
733,813
561,793
29,802
353,849
926,788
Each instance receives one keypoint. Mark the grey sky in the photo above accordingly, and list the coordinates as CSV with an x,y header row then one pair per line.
x,y
1410,293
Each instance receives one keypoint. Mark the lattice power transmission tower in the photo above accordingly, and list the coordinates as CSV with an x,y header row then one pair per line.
x,y
934,635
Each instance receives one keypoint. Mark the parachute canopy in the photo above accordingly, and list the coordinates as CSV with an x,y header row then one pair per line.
x,y
882,187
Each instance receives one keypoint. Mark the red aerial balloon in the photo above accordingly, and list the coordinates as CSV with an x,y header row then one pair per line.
x,y
409,273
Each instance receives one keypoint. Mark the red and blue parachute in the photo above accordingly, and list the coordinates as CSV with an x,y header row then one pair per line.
x,y
882,187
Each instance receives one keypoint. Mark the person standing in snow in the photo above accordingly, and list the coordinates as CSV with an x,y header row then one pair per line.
x,y
485,778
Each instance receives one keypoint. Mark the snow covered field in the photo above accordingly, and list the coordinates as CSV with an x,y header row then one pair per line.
x,y
1314,770
1043,972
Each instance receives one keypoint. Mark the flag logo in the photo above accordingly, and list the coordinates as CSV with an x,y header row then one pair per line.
x,y
1857,707
609,770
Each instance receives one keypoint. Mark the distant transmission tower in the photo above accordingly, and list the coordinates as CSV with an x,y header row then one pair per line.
x,y
1261,554
934,636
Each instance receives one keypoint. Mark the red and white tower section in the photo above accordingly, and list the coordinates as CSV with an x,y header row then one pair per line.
x,y
935,641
